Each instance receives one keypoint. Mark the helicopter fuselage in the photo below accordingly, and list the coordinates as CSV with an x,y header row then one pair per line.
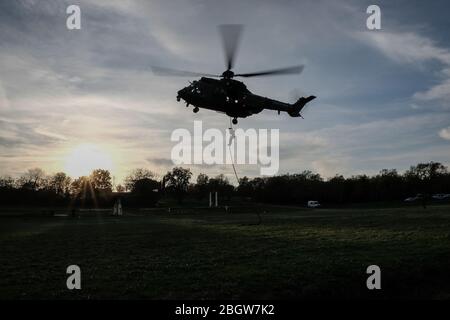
x,y
228,96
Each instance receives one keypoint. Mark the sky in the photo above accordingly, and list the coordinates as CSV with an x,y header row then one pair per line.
x,y
383,95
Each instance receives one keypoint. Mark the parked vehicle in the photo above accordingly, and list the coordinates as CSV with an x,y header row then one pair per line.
x,y
313,204
417,197
441,196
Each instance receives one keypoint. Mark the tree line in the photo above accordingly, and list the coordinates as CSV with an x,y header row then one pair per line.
x,y
388,185
143,187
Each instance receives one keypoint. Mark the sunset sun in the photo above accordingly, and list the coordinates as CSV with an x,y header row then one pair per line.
x,y
81,160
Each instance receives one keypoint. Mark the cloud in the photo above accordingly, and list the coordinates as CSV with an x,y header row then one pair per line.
x,y
438,92
445,133
413,49
161,162
43,131
405,47
59,88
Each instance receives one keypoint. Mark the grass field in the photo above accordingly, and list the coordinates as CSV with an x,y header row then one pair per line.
x,y
292,254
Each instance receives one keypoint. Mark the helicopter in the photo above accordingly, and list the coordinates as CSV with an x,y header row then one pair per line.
x,y
223,94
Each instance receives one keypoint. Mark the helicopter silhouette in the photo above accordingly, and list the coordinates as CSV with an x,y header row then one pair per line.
x,y
230,96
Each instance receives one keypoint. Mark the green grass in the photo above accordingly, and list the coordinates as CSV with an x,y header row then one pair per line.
x,y
293,254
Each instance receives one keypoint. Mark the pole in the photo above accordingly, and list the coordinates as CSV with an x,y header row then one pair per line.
x,y
210,199
217,202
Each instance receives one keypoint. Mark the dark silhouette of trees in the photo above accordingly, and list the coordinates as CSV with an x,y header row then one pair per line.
x,y
120,188
79,186
245,188
136,175
33,179
7,182
388,185
201,188
219,184
95,190
145,186
35,187
288,188
222,185
145,192
60,183
427,178
101,180
83,193
176,182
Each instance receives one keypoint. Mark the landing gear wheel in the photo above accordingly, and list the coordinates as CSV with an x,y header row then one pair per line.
x,y
234,121
196,110
178,98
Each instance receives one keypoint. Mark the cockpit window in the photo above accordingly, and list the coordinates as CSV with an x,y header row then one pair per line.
x,y
195,88
193,85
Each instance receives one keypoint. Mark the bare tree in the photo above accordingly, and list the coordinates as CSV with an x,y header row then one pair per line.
x,y
33,179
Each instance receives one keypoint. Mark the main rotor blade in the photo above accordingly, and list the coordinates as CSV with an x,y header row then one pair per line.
x,y
288,70
231,34
179,73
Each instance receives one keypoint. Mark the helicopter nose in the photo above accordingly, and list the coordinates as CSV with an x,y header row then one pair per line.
x,y
181,94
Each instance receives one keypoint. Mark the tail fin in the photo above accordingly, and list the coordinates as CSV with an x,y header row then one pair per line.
x,y
298,106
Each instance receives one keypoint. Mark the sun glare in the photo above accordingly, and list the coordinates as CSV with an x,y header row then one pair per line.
x,y
84,158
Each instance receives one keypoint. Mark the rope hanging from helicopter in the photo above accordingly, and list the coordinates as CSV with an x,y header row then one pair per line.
x,y
232,137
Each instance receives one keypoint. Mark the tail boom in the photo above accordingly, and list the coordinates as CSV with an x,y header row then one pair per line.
x,y
299,105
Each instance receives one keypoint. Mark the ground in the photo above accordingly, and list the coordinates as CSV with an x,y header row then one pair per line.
x,y
293,254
